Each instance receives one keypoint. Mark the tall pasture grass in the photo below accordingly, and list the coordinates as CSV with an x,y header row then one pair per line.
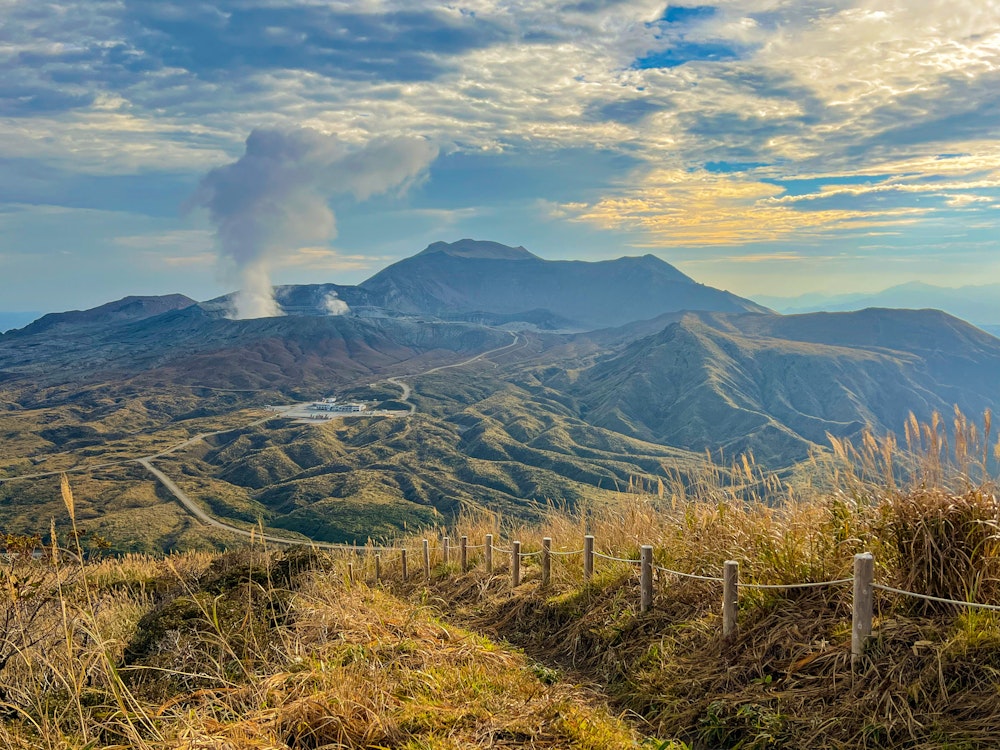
x,y
259,648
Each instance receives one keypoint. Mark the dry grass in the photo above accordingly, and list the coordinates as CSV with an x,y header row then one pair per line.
x,y
261,649
931,674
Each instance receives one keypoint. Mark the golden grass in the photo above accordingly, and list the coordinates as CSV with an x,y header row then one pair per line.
x,y
272,650
265,649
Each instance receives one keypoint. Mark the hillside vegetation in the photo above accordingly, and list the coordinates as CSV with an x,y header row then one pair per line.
x,y
297,649
494,409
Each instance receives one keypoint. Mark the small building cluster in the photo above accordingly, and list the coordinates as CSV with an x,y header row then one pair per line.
x,y
343,407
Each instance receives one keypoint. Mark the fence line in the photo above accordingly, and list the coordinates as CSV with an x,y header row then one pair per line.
x,y
940,600
617,559
863,578
790,586
714,579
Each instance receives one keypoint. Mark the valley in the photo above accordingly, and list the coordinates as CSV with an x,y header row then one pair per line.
x,y
469,406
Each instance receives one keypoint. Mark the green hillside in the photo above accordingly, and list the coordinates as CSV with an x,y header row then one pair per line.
x,y
778,386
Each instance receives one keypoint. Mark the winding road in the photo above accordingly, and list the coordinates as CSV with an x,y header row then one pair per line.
x,y
407,390
195,510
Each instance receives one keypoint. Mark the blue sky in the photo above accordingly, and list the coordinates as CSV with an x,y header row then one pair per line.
x,y
764,146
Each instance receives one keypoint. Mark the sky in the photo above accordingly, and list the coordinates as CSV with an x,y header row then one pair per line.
x,y
769,147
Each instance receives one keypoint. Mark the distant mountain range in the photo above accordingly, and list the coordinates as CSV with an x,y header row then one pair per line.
x,y
470,277
778,385
980,305
622,369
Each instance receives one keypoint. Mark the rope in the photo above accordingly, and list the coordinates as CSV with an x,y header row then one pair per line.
x,y
475,546
795,585
503,551
975,605
617,559
335,547
687,575
566,554
530,554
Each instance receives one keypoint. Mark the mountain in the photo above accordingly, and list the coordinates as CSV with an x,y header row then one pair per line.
x,y
470,276
197,345
565,412
777,385
977,304
123,310
12,320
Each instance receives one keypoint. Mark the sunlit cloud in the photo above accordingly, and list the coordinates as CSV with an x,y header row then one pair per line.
x,y
673,208
327,259
752,121
189,239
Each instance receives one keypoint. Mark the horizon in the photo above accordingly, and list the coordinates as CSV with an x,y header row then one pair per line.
x,y
821,148
818,297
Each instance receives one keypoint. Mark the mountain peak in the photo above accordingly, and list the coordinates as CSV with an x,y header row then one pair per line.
x,y
469,248
125,309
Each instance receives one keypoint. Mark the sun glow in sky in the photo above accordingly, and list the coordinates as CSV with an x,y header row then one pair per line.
x,y
763,146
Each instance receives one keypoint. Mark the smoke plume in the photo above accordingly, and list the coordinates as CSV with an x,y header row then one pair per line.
x,y
273,199
334,305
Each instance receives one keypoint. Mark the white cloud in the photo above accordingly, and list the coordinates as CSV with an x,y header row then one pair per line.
x,y
822,90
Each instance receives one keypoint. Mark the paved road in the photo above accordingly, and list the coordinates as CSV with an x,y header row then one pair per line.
x,y
405,398
401,384
184,499
120,461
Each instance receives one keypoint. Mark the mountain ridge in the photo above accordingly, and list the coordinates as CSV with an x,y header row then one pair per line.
x,y
757,382
555,414
476,276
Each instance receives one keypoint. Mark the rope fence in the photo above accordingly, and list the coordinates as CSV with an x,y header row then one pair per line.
x,y
862,580
790,586
616,559
695,576
938,599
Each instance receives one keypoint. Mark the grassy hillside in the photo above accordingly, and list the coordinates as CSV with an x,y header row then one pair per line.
x,y
478,441
262,650
544,420
777,386
297,649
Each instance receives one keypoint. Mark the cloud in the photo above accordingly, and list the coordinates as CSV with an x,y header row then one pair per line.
x,y
678,208
327,259
273,199
525,98
700,207
394,44
190,239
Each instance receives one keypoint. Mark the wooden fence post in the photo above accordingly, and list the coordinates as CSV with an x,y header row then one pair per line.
x,y
446,549
588,558
427,561
402,559
546,561
489,554
378,568
515,564
463,545
350,573
646,578
730,597
861,615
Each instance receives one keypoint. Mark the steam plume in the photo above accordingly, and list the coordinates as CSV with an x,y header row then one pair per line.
x,y
273,199
334,305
